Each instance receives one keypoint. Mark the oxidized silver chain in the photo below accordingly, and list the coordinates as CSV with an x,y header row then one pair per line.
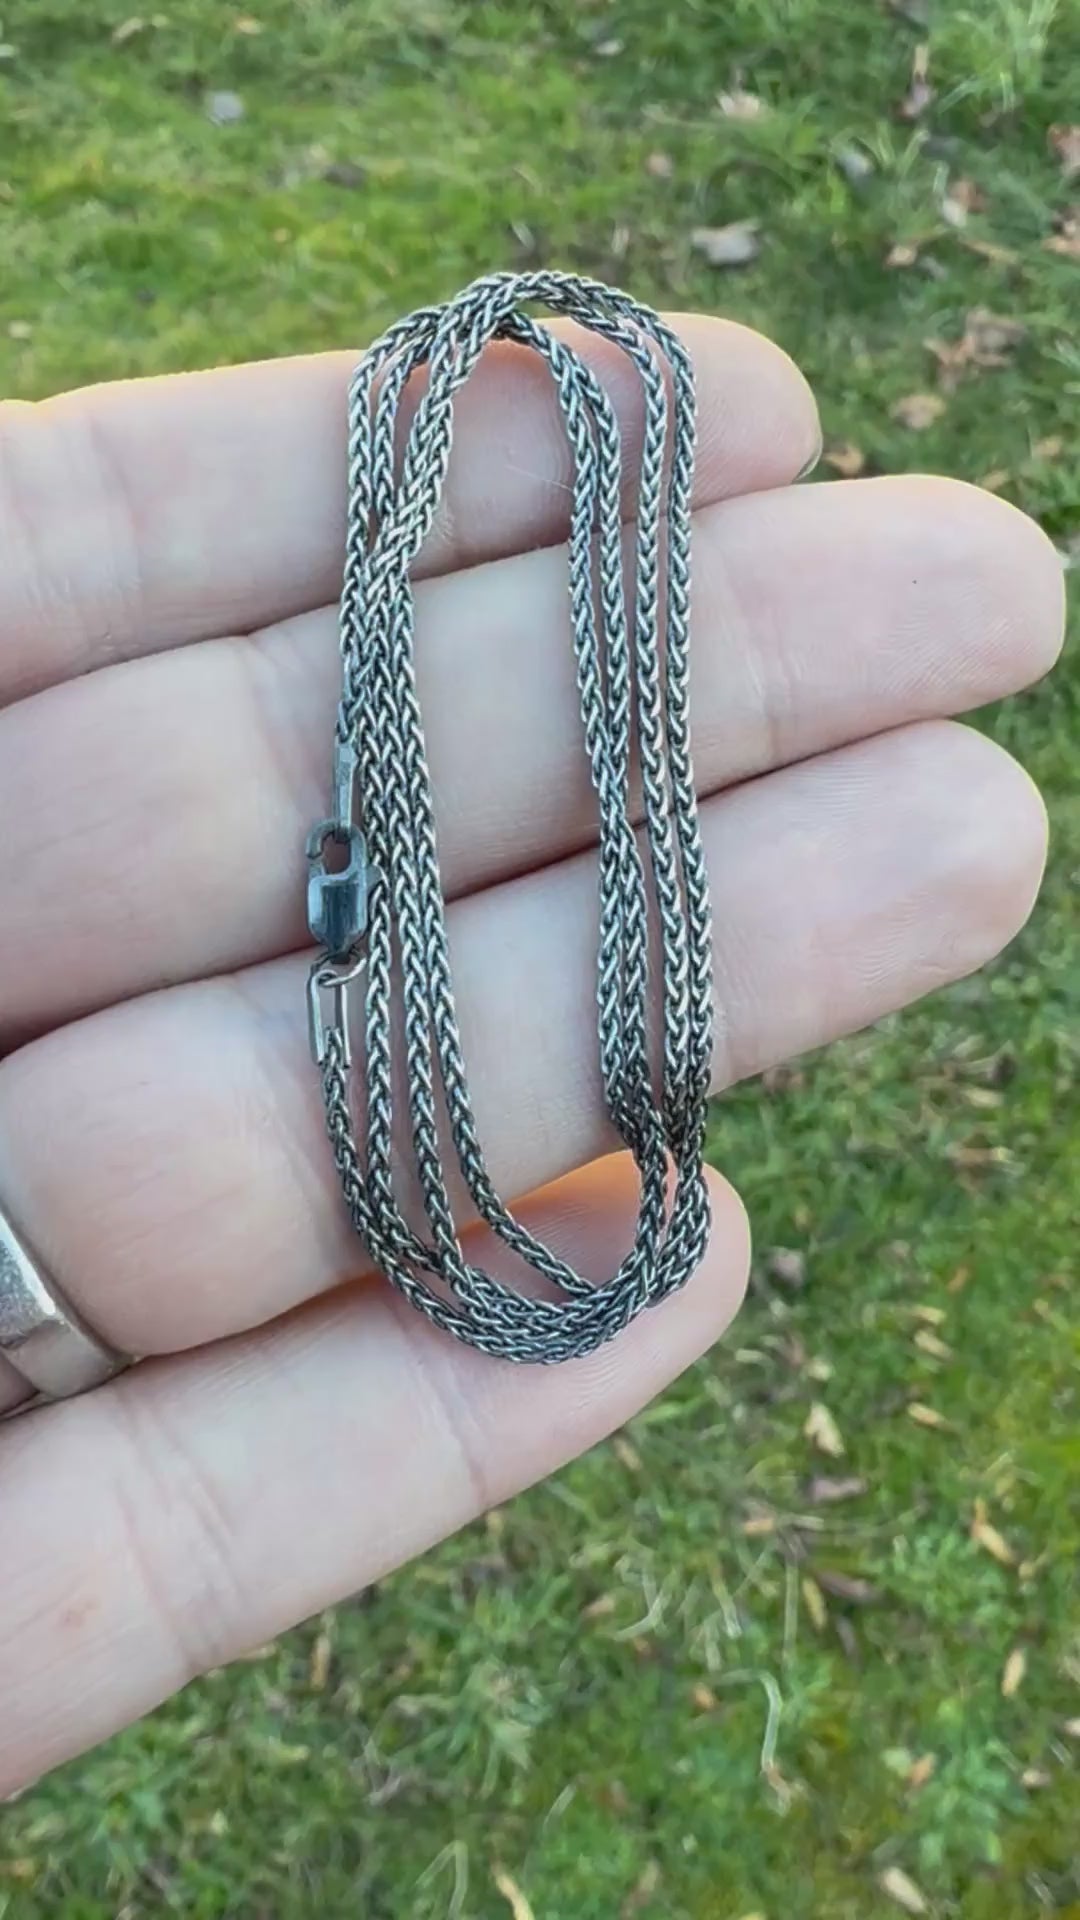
x,y
375,896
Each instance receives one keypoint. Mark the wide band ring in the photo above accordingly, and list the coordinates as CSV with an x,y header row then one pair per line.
x,y
41,1335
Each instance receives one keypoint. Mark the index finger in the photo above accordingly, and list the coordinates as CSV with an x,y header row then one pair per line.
x,y
145,514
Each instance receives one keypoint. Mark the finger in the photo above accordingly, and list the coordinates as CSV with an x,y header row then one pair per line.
x,y
170,1521
167,1159
163,511
190,781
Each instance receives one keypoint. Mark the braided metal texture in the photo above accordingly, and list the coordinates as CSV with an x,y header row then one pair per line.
x,y
631,641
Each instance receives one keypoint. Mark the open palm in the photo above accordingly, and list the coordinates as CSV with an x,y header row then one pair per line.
x,y
168,678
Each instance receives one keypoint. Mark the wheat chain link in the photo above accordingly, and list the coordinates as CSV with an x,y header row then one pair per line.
x,y
379,899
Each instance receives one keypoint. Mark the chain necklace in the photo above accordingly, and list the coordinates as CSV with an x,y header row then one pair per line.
x,y
374,890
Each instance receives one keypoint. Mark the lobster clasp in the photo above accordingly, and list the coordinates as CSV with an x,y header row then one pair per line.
x,y
337,898
337,865
337,885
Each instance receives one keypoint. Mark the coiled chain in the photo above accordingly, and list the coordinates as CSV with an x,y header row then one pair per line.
x,y
380,901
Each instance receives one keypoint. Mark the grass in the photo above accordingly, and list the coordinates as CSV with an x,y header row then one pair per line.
x,y
569,1706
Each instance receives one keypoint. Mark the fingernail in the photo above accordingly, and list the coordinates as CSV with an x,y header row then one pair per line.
x,y
805,472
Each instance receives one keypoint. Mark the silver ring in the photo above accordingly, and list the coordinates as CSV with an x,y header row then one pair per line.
x,y
41,1335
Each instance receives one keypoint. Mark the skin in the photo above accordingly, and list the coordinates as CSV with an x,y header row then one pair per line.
x,y
167,688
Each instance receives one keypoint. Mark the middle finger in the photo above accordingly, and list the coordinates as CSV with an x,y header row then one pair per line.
x,y
170,795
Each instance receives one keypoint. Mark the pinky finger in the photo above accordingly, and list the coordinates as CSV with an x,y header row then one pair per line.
x,y
202,1504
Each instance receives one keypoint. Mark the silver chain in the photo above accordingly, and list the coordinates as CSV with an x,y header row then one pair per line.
x,y
375,895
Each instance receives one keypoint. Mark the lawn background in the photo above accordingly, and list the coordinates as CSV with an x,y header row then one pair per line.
x,y
563,1712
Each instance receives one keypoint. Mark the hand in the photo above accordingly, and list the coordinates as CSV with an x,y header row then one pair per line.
x,y
168,674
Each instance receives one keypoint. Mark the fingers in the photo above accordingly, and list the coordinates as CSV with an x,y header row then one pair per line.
x,y
197,1507
167,1159
190,781
164,511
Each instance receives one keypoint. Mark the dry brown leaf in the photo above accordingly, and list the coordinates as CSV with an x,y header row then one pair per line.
x,y
732,246
786,1791
247,24
1013,1673
953,358
626,1453
20,330
1066,243
962,1154
920,92
759,1526
1072,1728
740,105
600,1608
993,482
987,1099
512,1894
127,30
901,1888
903,253
925,1416
1067,222
989,1539
822,1431
958,1281
1051,448
1065,142
995,1545
846,459
921,1770
992,336
917,411
704,1699
988,340
930,1316
991,250
823,1490
814,1601
961,198
1035,1777
928,1342
660,165
848,1586
642,1891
